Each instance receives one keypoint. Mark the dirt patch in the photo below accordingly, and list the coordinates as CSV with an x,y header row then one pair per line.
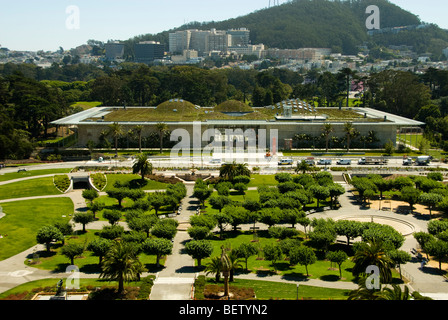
x,y
216,292
403,207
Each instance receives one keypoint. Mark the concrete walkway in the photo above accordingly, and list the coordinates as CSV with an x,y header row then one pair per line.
x,y
175,281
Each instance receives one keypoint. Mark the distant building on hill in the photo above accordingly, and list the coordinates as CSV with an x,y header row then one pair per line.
x,y
148,51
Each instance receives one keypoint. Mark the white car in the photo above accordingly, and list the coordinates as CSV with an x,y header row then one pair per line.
x,y
324,162
285,162
346,162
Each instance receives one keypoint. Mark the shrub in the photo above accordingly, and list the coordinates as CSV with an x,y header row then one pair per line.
x,y
99,181
62,182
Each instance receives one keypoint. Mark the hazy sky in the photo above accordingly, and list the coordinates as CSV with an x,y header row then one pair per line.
x,y
48,24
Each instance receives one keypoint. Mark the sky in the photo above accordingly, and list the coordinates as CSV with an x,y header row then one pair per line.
x,y
30,25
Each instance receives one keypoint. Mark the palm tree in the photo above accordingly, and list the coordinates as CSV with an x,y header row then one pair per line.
x,y
363,293
395,293
226,267
350,133
373,253
327,131
228,171
242,169
116,131
235,262
214,267
138,131
161,128
302,166
142,165
121,264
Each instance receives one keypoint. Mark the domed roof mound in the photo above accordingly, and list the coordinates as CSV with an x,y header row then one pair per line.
x,y
233,106
176,105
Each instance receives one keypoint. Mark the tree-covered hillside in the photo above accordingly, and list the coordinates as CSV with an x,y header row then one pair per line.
x,y
340,25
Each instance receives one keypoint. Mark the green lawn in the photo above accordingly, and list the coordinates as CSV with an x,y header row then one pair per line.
x,y
259,180
29,188
34,173
85,105
267,290
24,218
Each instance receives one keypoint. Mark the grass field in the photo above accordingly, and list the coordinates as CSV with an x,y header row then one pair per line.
x,y
267,290
24,218
85,105
27,174
29,188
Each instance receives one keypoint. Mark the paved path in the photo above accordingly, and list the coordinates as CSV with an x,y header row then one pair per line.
x,y
175,281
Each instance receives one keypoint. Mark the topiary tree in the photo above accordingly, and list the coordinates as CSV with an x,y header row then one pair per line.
x,y
199,249
272,252
338,257
72,251
48,234
410,195
431,200
90,194
83,218
99,248
349,228
302,255
113,216
245,251
164,230
198,232
157,247
119,194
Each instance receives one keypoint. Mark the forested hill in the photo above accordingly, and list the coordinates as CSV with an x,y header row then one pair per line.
x,y
340,25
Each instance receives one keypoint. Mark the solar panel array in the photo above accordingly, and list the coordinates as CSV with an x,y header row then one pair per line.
x,y
296,104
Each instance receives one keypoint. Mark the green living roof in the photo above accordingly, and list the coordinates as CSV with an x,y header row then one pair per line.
x,y
179,111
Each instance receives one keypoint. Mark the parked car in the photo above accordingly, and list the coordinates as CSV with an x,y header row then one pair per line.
x,y
344,162
285,162
310,162
324,162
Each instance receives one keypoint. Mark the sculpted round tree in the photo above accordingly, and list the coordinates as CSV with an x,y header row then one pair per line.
x,y
199,249
48,234
71,251
158,247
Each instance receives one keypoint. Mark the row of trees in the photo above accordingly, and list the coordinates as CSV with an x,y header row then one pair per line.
x,y
429,190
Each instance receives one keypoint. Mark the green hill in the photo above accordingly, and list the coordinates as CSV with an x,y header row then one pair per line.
x,y
339,25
